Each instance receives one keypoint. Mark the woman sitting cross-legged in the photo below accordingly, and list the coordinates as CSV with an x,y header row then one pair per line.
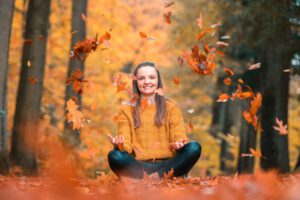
x,y
151,137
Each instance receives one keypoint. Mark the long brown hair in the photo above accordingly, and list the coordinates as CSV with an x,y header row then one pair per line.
x,y
160,101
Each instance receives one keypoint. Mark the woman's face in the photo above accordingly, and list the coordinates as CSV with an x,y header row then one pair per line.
x,y
147,80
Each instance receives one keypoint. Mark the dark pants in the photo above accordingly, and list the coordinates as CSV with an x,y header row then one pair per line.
x,y
124,164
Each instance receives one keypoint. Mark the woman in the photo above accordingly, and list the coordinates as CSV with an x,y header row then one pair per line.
x,y
151,138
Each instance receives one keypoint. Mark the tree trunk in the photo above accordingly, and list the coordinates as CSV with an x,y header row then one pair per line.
x,y
6,16
247,132
275,89
222,123
297,167
79,7
27,114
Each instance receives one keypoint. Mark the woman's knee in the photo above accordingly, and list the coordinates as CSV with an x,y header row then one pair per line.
x,y
193,148
115,156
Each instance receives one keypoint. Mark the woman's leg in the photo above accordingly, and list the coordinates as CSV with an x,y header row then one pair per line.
x,y
183,161
123,164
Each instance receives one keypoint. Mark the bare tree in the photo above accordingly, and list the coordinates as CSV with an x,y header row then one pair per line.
x,y
27,114
6,16
79,7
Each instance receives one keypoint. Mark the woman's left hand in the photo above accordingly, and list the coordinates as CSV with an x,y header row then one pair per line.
x,y
178,144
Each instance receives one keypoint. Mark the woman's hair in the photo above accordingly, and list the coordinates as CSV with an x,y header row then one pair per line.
x,y
160,101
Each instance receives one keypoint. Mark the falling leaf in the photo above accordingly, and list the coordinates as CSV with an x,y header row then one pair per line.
x,y
94,105
73,32
121,86
282,129
200,35
84,17
206,48
83,48
223,97
222,44
200,21
74,116
28,41
220,53
286,70
40,37
143,35
180,61
227,81
215,25
255,153
189,127
176,80
228,71
240,81
191,111
225,37
254,66
33,80
168,4
28,63
167,17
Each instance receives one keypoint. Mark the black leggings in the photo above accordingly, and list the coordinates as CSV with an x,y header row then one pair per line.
x,y
124,164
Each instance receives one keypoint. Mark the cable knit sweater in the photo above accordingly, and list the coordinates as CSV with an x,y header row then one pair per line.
x,y
149,142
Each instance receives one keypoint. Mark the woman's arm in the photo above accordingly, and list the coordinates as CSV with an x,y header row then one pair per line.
x,y
176,124
123,126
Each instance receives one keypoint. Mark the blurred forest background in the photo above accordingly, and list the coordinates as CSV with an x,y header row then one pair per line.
x,y
37,60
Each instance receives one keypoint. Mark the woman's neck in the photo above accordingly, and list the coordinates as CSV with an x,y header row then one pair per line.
x,y
150,99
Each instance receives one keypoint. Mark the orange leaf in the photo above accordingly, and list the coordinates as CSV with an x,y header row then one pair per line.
x,y
282,129
254,66
228,71
200,21
180,61
176,80
227,81
143,35
255,153
33,80
121,86
190,126
200,35
28,63
240,81
222,44
74,116
83,17
206,48
94,105
223,97
220,53
167,17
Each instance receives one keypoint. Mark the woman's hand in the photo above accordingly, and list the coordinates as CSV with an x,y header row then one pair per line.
x,y
117,141
178,144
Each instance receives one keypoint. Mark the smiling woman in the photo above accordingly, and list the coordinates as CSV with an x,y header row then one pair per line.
x,y
151,138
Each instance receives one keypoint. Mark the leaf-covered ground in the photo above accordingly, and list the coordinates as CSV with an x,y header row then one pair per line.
x,y
257,186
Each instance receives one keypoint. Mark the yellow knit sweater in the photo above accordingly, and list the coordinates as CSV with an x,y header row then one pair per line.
x,y
149,141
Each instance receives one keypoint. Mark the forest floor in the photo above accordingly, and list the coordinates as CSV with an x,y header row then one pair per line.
x,y
258,186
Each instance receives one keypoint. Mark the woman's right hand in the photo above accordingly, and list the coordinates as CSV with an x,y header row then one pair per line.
x,y
117,141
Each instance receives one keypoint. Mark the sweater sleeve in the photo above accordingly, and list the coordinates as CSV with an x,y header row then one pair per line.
x,y
176,124
123,126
